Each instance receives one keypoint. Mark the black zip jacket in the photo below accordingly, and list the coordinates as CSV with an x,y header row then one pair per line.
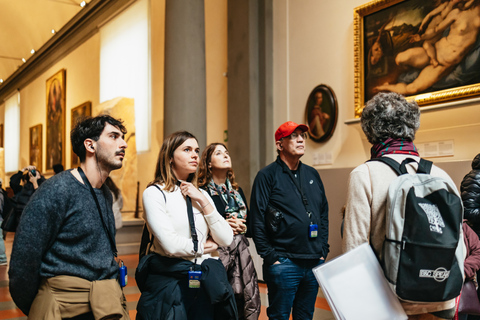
x,y
280,224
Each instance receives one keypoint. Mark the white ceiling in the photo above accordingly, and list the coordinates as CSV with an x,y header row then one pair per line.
x,y
27,25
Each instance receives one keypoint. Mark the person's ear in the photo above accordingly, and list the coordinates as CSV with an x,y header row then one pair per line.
x,y
89,145
279,145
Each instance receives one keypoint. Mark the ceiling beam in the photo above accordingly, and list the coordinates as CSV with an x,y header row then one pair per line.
x,y
78,30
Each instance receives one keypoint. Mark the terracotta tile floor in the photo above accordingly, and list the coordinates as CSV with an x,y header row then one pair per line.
x,y
8,310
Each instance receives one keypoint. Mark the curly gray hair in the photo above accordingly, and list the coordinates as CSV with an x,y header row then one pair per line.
x,y
389,115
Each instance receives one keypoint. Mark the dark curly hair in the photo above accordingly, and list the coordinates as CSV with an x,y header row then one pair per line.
x,y
389,115
91,128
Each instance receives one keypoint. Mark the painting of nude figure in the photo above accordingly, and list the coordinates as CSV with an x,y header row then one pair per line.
x,y
321,113
427,50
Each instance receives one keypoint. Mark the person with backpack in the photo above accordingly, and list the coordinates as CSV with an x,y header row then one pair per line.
x,y
390,123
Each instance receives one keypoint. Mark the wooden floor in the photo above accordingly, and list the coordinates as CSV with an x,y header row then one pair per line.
x,y
8,310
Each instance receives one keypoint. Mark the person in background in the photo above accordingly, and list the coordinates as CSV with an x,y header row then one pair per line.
x,y
117,202
217,178
470,191
289,212
63,256
389,123
170,287
3,195
57,168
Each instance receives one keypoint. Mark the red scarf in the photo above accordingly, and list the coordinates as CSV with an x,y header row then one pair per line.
x,y
390,146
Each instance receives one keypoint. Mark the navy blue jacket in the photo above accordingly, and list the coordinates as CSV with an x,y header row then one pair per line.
x,y
285,233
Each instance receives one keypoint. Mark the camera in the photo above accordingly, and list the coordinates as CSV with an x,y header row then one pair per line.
x,y
33,172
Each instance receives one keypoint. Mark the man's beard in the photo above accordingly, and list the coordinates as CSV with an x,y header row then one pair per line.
x,y
109,163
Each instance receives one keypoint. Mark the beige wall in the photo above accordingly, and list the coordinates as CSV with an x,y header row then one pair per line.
x,y
313,44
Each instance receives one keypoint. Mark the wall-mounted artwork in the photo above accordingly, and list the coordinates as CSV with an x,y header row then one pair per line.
x,y
55,147
321,113
1,135
35,154
78,113
425,50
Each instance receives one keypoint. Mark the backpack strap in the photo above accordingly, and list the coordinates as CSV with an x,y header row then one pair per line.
x,y
147,238
424,166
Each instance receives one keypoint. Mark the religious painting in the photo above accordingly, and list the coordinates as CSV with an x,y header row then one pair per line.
x,y
55,146
1,136
35,153
78,113
428,51
321,113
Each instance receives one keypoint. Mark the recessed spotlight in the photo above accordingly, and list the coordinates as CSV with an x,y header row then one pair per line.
x,y
23,59
53,30
1,80
82,4
32,51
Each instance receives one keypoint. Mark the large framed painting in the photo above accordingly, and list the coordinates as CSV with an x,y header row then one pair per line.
x,y
321,113
78,113
35,153
428,51
1,135
55,146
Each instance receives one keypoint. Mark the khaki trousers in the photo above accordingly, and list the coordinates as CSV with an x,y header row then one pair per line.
x,y
66,297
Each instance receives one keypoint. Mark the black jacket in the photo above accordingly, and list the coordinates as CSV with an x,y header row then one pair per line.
x,y
470,189
158,279
278,216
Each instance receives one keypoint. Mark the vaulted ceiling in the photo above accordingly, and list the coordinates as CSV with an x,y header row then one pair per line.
x,y
26,25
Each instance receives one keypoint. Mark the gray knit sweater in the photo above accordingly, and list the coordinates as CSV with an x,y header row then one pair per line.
x,y
61,233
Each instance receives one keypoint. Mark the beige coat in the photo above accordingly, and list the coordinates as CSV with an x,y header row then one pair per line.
x,y
366,210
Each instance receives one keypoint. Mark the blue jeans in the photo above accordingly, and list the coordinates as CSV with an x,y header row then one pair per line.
x,y
291,284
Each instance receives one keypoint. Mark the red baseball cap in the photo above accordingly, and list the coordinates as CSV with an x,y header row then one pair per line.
x,y
287,129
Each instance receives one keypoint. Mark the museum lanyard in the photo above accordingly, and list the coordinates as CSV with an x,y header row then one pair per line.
x,y
299,186
110,238
191,221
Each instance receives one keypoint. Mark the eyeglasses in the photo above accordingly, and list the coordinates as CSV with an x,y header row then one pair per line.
x,y
295,135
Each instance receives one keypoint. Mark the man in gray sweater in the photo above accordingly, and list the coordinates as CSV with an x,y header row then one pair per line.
x,y
63,256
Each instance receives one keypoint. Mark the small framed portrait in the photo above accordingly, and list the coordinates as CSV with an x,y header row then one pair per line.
x,y
321,113
35,153
55,120
78,113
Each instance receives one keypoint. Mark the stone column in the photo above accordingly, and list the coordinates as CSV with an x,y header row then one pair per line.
x,y
185,80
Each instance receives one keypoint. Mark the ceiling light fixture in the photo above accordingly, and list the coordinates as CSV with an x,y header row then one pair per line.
x,y
32,51
23,59
53,30
1,80
82,4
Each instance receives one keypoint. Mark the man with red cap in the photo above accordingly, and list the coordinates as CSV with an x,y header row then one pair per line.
x,y
289,212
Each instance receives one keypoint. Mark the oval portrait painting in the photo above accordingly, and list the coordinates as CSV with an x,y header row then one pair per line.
x,y
321,113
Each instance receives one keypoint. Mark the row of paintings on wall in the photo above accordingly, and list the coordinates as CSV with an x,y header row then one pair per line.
x,y
56,126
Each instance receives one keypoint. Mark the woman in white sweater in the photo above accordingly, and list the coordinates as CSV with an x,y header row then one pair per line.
x,y
165,206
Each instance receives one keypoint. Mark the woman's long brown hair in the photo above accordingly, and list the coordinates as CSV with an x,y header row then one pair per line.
x,y
205,173
163,171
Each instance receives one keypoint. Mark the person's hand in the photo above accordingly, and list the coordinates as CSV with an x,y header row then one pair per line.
x,y
238,225
188,189
210,246
415,38
29,168
34,179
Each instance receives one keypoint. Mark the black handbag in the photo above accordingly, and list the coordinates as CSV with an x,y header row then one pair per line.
x,y
469,303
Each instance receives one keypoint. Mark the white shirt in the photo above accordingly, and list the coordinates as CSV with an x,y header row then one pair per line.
x,y
168,222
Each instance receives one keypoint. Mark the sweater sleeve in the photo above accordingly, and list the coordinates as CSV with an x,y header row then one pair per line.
x,y
38,228
357,211
219,228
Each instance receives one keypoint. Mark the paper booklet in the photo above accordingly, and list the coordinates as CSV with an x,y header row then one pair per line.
x,y
355,287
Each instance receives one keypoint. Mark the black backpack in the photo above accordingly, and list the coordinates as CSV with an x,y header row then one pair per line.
x,y
11,213
422,255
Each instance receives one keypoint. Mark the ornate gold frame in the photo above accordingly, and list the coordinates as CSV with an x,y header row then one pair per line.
x,y
359,69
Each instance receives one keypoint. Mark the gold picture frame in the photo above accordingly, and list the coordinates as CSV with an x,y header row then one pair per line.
x,y
35,147
78,113
391,25
55,144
